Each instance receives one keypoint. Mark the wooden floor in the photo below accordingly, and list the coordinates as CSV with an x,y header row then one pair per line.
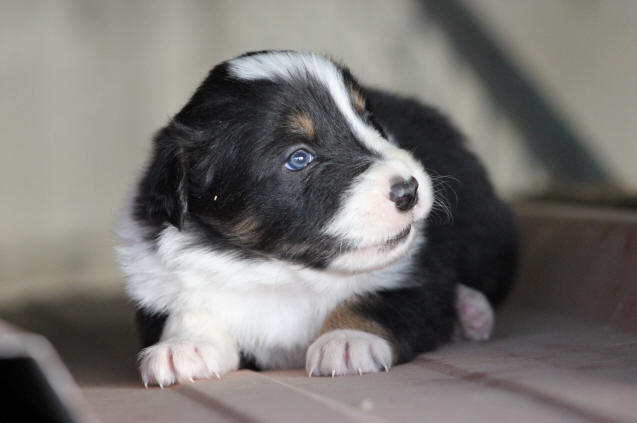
x,y
539,368
565,349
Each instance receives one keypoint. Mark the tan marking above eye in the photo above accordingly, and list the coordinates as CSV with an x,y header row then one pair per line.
x,y
301,124
358,100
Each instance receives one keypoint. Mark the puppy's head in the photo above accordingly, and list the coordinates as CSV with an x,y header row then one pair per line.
x,y
278,155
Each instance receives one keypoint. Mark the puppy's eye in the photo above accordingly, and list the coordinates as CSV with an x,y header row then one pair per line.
x,y
299,160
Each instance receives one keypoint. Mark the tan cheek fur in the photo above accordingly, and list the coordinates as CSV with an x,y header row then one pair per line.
x,y
246,230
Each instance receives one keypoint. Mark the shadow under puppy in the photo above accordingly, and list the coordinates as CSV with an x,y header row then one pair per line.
x,y
290,217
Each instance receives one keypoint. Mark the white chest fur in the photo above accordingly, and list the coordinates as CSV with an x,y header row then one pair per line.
x,y
272,309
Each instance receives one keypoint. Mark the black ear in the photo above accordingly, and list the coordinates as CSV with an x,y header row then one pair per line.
x,y
163,192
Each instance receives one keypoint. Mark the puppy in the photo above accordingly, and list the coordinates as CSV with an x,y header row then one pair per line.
x,y
290,217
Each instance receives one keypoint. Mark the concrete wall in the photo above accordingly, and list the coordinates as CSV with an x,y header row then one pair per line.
x,y
85,84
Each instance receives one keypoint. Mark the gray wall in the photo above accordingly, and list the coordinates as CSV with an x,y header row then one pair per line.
x,y
582,54
85,84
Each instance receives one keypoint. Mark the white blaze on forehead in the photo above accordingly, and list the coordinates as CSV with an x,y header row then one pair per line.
x,y
297,66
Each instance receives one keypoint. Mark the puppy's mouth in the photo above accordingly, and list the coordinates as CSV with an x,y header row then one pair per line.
x,y
378,255
388,245
396,240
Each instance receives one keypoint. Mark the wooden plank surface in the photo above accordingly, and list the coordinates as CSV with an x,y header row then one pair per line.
x,y
539,367
581,261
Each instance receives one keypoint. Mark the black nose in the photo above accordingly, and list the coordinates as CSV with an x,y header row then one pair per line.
x,y
404,193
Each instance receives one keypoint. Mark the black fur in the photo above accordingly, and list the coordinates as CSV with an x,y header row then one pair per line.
x,y
149,326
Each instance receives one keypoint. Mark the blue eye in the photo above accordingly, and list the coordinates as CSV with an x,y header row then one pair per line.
x,y
298,160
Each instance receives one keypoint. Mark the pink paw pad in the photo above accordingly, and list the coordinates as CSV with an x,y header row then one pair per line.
x,y
166,363
475,314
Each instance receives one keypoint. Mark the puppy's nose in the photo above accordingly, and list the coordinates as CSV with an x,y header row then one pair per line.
x,y
404,193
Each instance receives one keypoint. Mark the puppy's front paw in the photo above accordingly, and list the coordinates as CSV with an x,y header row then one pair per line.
x,y
347,352
475,314
171,362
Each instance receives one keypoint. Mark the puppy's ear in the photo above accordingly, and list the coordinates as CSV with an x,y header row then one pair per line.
x,y
163,192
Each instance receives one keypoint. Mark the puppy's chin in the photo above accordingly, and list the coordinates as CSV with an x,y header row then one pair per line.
x,y
376,257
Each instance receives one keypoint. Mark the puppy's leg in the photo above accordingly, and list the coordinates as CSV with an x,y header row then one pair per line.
x,y
372,333
193,345
475,314
349,344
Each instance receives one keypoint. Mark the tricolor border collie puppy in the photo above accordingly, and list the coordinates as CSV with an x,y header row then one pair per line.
x,y
290,217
